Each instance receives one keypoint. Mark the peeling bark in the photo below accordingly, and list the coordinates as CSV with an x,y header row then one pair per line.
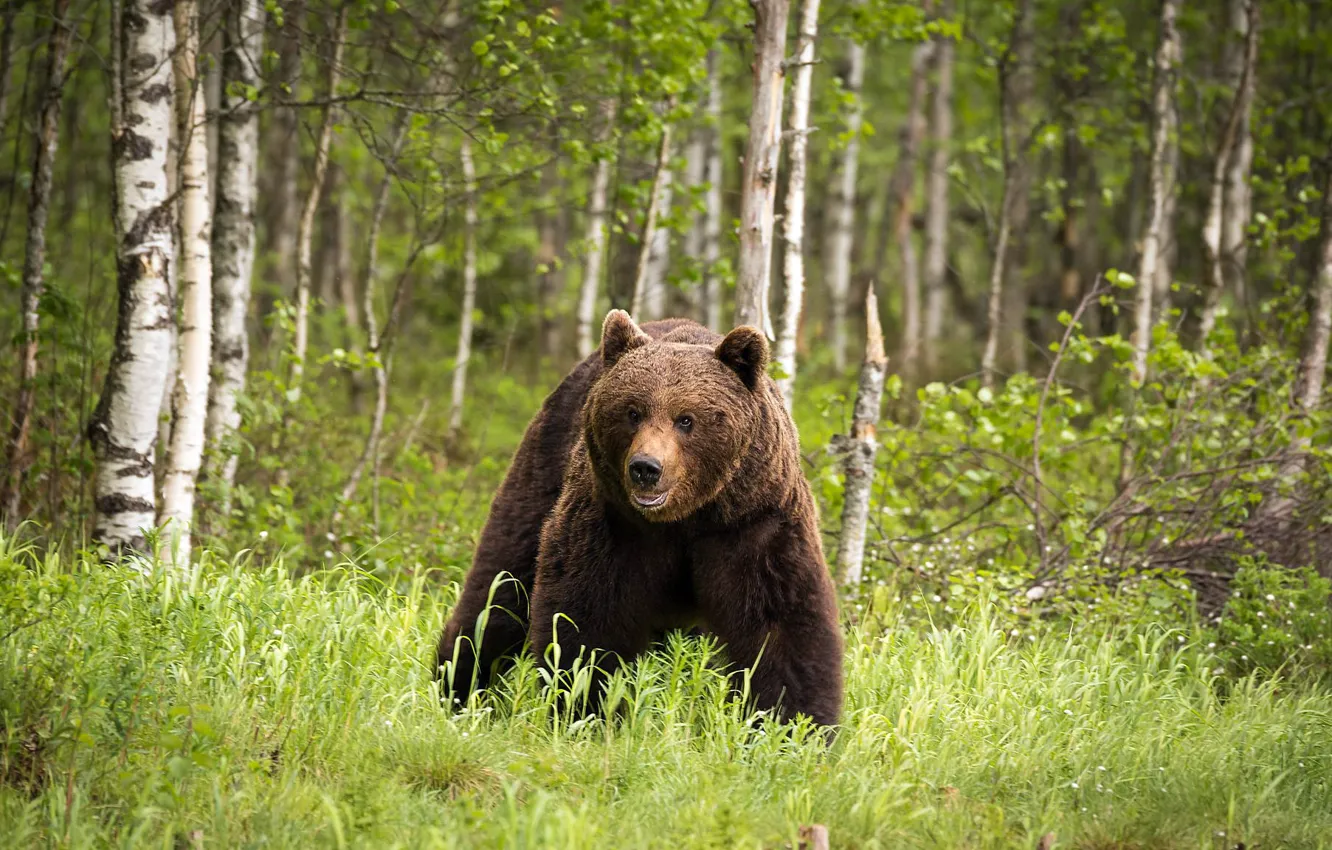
x,y
123,431
860,447
233,242
758,188
189,402
793,221
34,253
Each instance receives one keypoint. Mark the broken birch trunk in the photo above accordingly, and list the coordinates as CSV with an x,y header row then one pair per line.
x,y
859,449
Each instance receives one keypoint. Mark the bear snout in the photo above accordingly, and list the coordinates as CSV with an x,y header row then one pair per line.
x,y
644,470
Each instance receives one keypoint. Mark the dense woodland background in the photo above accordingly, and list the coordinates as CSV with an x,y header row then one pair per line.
x,y
1050,292
411,218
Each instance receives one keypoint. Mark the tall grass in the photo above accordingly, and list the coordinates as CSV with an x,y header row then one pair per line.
x,y
239,706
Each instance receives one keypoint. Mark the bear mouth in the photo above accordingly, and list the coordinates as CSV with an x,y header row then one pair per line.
x,y
651,502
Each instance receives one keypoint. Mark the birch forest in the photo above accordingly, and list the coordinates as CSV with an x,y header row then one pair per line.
x,y
1048,290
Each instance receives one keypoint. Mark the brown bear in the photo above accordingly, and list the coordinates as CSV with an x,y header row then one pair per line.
x,y
659,487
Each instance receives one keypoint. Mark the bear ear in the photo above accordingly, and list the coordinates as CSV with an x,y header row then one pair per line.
x,y
619,336
745,352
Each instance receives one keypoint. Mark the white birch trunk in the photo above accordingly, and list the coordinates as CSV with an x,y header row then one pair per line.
x,y
305,230
1216,229
378,347
34,252
123,431
233,241
1161,180
692,244
793,222
459,389
1244,20
899,214
712,199
842,212
758,188
659,256
1312,368
860,447
935,265
189,402
643,300
595,238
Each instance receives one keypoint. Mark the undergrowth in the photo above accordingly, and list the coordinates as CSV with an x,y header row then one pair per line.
x,y
240,706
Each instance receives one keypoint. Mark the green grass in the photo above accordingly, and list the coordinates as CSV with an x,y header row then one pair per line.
x,y
242,707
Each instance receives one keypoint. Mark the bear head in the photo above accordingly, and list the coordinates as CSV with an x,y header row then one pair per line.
x,y
670,421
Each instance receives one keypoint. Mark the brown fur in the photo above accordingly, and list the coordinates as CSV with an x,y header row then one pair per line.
x,y
729,536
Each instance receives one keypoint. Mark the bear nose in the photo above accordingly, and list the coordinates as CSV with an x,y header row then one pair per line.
x,y
644,471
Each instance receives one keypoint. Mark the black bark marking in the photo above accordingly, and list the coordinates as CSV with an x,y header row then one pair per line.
x,y
155,93
131,147
118,503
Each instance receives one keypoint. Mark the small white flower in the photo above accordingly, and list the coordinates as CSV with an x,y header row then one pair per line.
x,y
388,722
1162,769
937,598
1212,645
328,553
1181,638
1073,785
331,536
1100,767
1069,712
277,632
263,535
1271,598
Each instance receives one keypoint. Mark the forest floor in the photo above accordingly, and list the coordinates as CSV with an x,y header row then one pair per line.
x,y
242,707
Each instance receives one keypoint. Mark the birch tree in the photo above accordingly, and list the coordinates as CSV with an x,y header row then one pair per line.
x,y
659,255
459,389
286,127
644,300
935,265
189,403
793,222
378,345
1014,89
902,189
1216,231
123,430
1242,72
595,238
1312,369
1161,182
305,231
758,187
859,449
842,207
233,239
712,198
47,142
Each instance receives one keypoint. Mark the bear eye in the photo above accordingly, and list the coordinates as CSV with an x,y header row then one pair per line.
x,y
634,415
685,423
